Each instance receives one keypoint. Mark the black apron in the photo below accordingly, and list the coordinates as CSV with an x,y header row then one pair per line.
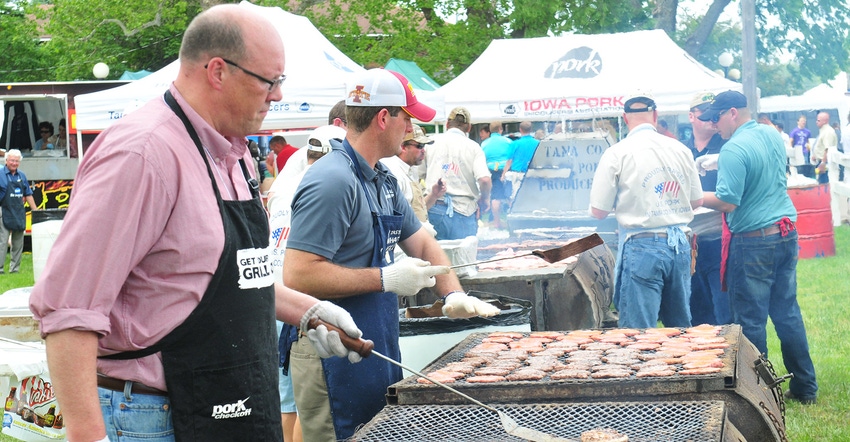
x,y
356,391
221,363
14,213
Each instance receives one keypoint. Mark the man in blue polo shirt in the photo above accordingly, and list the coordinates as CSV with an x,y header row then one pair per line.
x,y
524,148
751,189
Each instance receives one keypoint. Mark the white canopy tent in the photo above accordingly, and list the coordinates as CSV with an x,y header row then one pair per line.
x,y
579,77
830,95
316,74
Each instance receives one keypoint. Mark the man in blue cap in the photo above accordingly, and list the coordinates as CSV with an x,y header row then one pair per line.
x,y
652,182
762,247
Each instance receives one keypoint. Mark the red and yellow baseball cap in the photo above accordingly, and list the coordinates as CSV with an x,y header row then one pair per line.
x,y
381,88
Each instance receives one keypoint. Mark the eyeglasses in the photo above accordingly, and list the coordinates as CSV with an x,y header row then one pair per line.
x,y
718,116
419,146
273,84
45,131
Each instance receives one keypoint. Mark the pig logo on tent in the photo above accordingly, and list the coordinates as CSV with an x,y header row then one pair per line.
x,y
508,109
581,62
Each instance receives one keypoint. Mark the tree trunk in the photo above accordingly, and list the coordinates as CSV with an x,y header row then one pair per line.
x,y
665,16
694,42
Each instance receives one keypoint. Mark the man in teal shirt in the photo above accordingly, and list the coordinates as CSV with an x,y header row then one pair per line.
x,y
524,149
498,151
762,247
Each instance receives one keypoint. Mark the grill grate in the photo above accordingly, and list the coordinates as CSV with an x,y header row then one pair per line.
x,y
658,421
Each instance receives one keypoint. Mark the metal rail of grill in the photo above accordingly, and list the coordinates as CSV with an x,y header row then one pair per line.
x,y
697,421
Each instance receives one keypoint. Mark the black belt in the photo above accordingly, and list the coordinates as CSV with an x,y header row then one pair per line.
x,y
772,230
118,385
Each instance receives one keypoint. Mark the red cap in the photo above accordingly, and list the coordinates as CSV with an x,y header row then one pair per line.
x,y
417,110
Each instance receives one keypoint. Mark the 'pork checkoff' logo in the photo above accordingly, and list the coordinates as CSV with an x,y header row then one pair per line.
x,y
580,62
230,411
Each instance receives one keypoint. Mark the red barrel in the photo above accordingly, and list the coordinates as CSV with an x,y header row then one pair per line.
x,y
814,221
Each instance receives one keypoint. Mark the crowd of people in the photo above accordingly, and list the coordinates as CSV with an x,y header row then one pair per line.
x,y
172,335
212,299
736,166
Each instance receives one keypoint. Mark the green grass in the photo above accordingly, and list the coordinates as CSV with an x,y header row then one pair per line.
x,y
823,285
24,278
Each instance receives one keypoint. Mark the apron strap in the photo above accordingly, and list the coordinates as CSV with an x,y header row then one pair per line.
x,y
179,332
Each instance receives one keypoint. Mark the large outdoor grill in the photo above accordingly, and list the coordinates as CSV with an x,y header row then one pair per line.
x,y
572,294
746,384
555,192
702,421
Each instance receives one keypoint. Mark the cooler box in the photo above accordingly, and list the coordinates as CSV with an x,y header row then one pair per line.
x,y
16,321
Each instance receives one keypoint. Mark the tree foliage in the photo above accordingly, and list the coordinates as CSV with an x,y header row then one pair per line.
x,y
443,36
20,55
127,36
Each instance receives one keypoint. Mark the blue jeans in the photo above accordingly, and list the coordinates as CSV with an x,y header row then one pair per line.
x,y
456,226
709,304
653,279
138,417
762,280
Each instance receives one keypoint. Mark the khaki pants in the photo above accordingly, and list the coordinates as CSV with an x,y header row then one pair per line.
x,y
311,392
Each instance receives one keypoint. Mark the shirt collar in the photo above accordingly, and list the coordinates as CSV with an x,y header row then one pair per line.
x,y
219,146
642,127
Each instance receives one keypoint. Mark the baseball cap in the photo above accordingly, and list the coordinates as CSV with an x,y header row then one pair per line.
x,y
639,98
385,88
723,102
460,111
702,100
418,135
323,135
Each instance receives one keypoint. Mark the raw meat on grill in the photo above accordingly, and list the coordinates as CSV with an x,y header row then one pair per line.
x,y
570,373
526,374
485,379
588,354
603,435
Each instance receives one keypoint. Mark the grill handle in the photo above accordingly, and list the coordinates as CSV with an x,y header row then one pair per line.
x,y
361,346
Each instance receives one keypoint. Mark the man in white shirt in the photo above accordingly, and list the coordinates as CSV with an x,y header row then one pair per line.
x,y
402,167
652,182
461,165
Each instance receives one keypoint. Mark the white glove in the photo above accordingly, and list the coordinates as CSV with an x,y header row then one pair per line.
x,y
706,163
327,343
409,275
461,305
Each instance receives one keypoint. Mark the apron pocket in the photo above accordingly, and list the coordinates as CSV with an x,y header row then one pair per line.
x,y
230,403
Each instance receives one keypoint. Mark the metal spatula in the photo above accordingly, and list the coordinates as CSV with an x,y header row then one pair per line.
x,y
365,347
551,255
